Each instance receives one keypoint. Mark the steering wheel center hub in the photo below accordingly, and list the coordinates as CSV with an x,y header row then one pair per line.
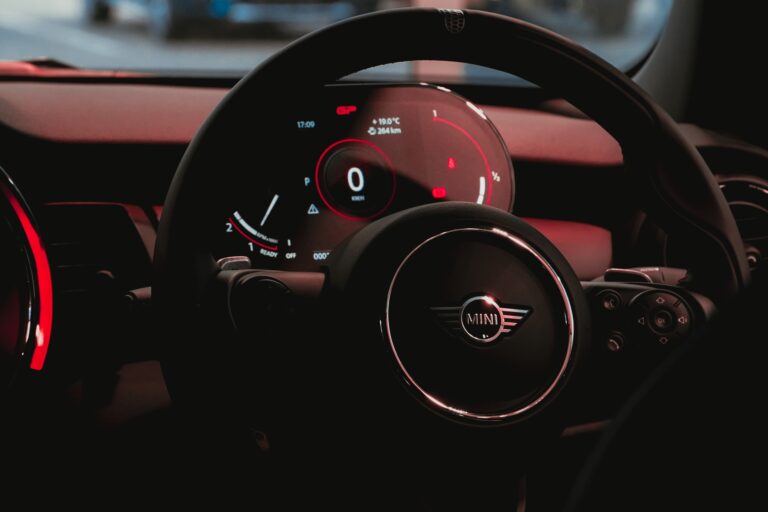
x,y
480,323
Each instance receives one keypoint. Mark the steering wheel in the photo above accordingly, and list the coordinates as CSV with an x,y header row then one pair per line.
x,y
369,370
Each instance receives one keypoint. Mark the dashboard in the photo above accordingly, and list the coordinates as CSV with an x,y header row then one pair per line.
x,y
95,179
356,154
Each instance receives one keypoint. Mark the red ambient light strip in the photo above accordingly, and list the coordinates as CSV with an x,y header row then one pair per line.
x,y
44,284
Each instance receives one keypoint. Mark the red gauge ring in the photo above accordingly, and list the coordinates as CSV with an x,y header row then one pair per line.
x,y
369,145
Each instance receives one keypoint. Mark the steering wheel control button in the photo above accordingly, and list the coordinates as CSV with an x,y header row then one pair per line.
x,y
494,340
661,316
615,342
663,320
609,300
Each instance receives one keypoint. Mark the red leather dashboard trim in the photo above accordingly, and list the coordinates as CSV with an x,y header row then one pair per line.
x,y
588,248
130,113
104,113
545,137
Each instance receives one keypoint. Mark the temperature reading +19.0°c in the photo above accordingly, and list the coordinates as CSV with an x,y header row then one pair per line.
x,y
385,126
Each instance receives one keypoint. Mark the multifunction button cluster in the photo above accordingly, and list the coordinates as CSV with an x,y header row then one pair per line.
x,y
662,316
640,316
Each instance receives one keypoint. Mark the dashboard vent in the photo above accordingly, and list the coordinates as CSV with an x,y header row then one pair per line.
x,y
98,251
748,199
91,242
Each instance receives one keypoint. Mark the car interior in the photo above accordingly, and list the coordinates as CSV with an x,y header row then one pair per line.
x,y
524,270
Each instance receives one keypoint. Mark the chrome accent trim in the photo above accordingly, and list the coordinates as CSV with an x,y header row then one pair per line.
x,y
569,321
629,271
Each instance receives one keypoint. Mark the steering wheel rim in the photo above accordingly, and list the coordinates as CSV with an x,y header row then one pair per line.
x,y
682,195
672,181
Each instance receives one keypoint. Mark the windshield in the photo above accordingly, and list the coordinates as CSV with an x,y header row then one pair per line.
x,y
218,37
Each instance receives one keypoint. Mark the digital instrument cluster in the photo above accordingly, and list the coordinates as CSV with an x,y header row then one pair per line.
x,y
353,155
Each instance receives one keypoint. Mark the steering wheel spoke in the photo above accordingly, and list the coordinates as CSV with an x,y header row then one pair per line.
x,y
635,327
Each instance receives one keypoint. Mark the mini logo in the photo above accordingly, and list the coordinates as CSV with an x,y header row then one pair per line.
x,y
480,319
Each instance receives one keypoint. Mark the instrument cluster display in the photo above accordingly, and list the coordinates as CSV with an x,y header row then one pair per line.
x,y
353,155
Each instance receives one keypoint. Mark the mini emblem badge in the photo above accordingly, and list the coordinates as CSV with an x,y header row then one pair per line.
x,y
480,319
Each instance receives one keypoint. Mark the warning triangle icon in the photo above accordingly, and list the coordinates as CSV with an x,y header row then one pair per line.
x,y
312,210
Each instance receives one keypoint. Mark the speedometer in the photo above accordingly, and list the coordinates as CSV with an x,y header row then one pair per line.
x,y
358,153
355,179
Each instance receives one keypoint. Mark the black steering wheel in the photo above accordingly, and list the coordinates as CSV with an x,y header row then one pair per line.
x,y
370,370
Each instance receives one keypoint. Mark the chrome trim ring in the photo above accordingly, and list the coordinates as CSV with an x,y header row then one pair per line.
x,y
569,321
